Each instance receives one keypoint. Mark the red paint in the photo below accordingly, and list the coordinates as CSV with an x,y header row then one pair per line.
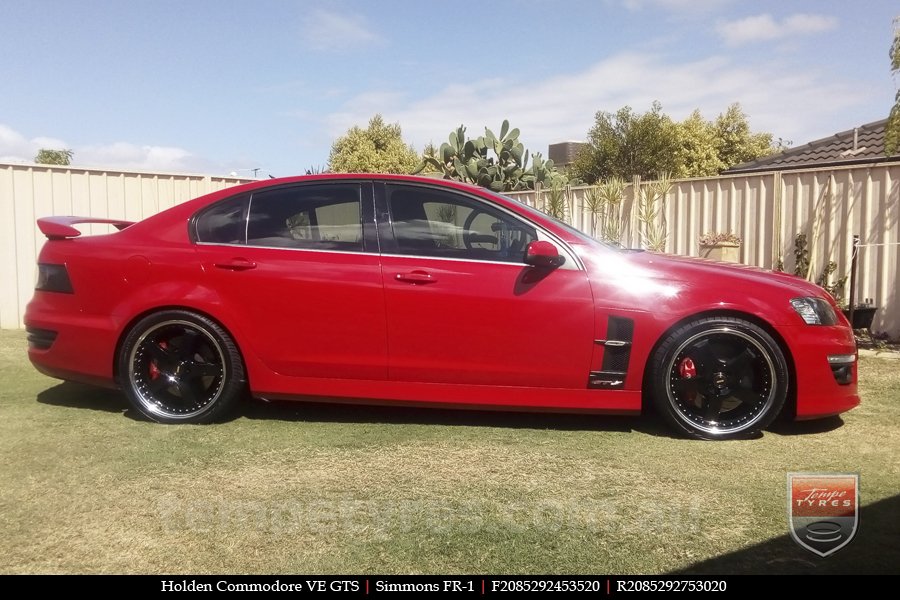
x,y
446,332
62,227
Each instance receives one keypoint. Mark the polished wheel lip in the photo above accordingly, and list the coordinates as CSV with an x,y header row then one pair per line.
x,y
153,406
760,411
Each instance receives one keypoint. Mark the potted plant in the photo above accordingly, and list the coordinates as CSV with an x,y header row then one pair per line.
x,y
725,247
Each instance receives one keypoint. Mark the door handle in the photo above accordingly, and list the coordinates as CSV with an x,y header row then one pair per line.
x,y
236,264
415,277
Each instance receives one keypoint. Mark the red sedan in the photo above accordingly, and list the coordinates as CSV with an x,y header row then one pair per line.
x,y
394,289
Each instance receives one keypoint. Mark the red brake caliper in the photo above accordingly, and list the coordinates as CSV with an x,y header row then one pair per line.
x,y
688,370
154,369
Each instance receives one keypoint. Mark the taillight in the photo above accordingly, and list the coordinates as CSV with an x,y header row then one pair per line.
x,y
53,278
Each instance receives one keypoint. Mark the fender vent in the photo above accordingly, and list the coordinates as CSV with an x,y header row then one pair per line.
x,y
616,355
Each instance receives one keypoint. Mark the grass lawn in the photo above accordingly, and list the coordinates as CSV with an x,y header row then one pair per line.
x,y
293,488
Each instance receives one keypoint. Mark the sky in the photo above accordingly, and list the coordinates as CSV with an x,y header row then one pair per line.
x,y
229,86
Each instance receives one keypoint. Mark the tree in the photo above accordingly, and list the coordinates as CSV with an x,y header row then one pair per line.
x,y
652,144
499,163
625,144
53,157
698,153
735,143
892,130
377,149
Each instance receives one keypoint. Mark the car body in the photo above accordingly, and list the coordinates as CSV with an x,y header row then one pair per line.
x,y
399,289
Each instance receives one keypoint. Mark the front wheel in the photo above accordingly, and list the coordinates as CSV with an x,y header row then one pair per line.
x,y
180,367
719,378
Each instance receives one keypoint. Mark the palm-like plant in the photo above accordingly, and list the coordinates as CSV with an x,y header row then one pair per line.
x,y
556,203
652,213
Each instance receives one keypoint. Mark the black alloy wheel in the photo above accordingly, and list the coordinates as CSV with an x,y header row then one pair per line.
x,y
719,378
180,367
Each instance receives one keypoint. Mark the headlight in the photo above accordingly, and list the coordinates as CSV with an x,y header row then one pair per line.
x,y
815,311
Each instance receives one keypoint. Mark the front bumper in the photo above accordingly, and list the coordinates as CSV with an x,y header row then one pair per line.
x,y
823,388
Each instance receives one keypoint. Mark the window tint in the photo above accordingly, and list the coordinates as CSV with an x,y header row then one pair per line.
x,y
437,223
319,217
223,222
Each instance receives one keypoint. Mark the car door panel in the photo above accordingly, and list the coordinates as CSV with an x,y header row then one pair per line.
x,y
488,323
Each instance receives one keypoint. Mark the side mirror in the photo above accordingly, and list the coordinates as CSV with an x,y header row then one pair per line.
x,y
543,254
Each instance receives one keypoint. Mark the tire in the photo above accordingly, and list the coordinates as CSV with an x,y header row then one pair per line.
x,y
177,366
719,378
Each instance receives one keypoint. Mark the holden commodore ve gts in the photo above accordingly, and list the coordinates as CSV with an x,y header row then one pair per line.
x,y
405,290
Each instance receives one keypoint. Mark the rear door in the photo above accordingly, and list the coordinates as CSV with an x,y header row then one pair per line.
x,y
462,307
294,265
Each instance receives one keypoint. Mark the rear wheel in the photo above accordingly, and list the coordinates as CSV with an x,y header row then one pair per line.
x,y
180,367
719,378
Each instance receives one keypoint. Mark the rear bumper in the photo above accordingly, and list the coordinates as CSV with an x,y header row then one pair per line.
x,y
823,388
70,345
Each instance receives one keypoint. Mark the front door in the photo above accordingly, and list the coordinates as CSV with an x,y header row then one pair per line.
x,y
463,307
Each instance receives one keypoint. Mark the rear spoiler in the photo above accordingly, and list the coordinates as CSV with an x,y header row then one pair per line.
x,y
61,228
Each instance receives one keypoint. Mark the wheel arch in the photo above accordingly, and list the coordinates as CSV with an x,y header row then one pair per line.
x,y
126,329
790,405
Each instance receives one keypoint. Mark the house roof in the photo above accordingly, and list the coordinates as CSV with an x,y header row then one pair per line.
x,y
863,144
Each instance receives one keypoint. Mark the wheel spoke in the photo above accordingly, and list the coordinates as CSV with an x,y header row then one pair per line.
x,y
189,345
746,396
158,352
691,385
740,362
703,354
186,388
159,384
206,369
712,406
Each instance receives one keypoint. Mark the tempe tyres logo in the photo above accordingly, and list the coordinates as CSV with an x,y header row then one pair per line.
x,y
823,510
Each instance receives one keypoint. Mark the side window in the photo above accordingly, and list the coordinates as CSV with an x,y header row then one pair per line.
x,y
315,217
436,223
223,222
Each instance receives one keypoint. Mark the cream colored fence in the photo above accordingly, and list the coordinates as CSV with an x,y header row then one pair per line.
x,y
768,210
31,191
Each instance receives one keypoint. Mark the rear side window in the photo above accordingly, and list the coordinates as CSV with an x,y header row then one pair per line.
x,y
223,222
315,217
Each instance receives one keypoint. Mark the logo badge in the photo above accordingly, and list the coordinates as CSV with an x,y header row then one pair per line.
x,y
823,510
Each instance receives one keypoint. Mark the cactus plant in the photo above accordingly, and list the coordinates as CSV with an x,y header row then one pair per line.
x,y
499,163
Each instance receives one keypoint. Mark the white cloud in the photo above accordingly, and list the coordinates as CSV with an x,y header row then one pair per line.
x,y
333,32
563,107
761,28
16,148
132,156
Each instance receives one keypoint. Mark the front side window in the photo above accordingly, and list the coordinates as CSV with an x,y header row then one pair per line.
x,y
428,222
314,217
